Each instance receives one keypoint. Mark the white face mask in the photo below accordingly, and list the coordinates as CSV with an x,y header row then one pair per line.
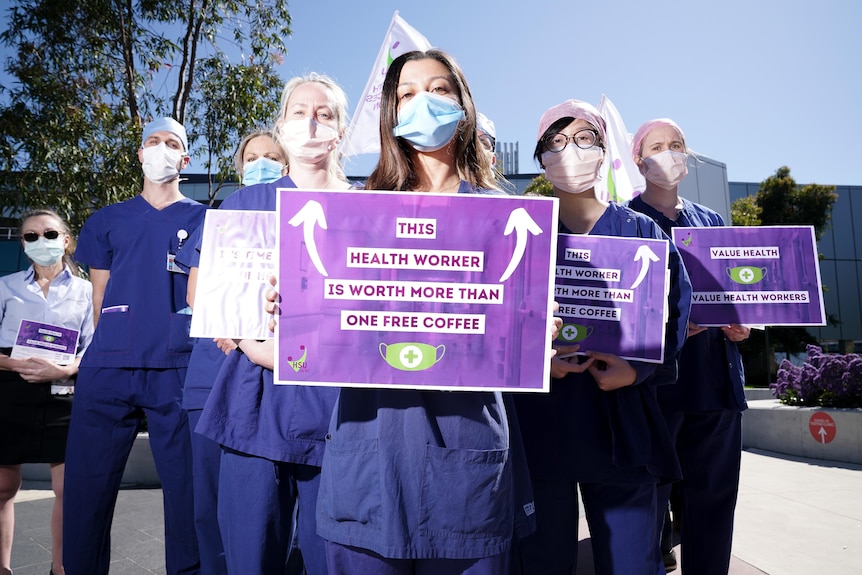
x,y
161,163
573,170
306,141
45,252
665,169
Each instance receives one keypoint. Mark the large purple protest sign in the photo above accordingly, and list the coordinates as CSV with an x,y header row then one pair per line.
x,y
415,290
612,293
766,275
46,341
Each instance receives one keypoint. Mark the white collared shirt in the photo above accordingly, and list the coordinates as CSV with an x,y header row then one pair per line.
x,y
69,304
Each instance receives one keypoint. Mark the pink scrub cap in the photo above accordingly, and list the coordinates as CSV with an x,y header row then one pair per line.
x,y
574,109
637,141
166,125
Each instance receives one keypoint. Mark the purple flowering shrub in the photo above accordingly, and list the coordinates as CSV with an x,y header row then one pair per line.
x,y
824,380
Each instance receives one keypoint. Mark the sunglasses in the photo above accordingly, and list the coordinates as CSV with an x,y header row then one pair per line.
x,y
48,235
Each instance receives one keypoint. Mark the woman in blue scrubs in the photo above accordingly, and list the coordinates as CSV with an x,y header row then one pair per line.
x,y
600,426
272,436
704,410
259,159
421,481
137,361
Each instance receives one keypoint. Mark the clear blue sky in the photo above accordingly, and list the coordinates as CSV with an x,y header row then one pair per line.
x,y
755,84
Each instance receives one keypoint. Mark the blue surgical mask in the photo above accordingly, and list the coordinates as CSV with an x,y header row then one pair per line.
x,y
45,252
261,171
428,121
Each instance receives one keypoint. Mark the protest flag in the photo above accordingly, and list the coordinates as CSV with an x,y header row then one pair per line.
x,y
363,134
621,180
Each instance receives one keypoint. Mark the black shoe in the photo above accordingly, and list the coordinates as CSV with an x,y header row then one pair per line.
x,y
669,560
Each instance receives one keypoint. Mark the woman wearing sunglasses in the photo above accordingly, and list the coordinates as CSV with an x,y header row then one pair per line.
x,y
35,392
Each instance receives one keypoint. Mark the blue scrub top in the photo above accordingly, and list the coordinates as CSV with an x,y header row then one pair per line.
x,y
414,474
139,326
245,410
207,358
710,367
578,432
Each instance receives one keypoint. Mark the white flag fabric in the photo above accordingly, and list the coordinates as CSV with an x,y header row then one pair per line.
x,y
621,180
363,134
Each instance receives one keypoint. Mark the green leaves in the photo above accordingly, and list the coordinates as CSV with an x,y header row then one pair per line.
x,y
539,186
87,74
781,201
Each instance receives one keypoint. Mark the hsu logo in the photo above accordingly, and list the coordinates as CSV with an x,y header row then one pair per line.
x,y
300,364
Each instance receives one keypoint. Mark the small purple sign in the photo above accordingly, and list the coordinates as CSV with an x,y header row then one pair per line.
x,y
765,275
415,290
612,293
46,341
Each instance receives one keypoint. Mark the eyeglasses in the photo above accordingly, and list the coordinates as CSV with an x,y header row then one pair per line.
x,y
487,142
48,235
583,139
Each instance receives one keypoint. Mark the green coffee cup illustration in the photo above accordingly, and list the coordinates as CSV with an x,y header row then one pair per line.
x,y
411,356
575,332
746,275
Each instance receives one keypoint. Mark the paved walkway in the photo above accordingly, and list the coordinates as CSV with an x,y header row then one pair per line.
x,y
795,517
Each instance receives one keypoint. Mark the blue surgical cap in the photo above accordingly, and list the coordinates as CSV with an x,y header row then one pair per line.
x,y
166,125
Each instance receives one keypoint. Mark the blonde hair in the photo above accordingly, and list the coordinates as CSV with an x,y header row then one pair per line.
x,y
338,104
240,151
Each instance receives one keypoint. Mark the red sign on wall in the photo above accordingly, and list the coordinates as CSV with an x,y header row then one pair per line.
x,y
822,427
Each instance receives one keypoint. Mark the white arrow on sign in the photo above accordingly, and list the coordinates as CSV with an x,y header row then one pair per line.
x,y
646,256
309,215
822,433
521,222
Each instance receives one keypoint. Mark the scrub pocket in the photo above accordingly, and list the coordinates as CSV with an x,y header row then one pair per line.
x,y
114,332
351,470
466,493
178,334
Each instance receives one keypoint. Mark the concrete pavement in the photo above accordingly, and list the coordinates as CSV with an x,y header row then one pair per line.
x,y
795,516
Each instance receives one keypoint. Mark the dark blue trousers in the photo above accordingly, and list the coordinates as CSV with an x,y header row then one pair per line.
x,y
105,416
621,518
709,446
345,560
206,457
256,504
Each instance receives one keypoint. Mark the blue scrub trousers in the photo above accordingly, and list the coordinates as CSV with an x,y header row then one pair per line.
x,y
206,457
103,427
345,560
621,517
709,447
257,497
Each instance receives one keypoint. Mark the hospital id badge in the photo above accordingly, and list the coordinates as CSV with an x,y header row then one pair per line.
x,y
172,265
